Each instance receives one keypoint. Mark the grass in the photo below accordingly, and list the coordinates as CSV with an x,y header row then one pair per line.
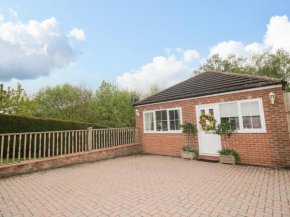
x,y
10,160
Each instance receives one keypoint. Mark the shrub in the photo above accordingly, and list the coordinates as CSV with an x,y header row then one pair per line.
x,y
21,124
190,149
225,128
188,128
230,152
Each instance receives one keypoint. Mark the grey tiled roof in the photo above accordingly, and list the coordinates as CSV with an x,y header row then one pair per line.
x,y
208,83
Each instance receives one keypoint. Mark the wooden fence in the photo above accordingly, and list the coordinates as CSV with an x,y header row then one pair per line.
x,y
287,108
19,147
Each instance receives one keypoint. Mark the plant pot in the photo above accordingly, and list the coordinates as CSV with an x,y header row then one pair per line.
x,y
188,155
227,159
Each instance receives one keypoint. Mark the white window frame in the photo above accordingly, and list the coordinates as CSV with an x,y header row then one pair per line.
x,y
262,116
168,120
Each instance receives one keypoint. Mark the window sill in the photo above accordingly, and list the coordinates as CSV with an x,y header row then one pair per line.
x,y
162,132
252,131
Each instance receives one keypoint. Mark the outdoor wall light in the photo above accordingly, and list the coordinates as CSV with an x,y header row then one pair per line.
x,y
137,112
272,97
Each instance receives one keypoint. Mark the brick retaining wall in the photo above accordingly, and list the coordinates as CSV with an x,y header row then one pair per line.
x,y
67,160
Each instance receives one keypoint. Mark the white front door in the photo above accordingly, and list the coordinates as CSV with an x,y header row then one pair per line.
x,y
209,143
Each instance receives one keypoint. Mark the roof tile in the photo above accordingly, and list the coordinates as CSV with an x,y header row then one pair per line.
x,y
208,83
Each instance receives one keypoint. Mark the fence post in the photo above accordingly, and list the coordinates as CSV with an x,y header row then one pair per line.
x,y
90,134
137,135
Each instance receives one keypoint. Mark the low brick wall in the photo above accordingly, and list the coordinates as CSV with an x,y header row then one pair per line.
x,y
67,160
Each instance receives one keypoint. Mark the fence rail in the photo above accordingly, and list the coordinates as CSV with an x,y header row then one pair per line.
x,y
19,147
287,108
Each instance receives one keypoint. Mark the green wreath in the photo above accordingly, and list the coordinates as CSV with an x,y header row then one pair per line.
x,y
210,118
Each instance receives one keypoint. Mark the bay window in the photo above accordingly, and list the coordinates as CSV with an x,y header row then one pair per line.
x,y
164,120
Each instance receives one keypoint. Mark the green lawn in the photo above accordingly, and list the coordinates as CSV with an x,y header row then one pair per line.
x,y
10,160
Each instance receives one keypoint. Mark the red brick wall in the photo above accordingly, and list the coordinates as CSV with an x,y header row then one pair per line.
x,y
271,148
67,160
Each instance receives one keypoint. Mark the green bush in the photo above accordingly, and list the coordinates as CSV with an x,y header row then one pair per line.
x,y
230,152
190,149
21,124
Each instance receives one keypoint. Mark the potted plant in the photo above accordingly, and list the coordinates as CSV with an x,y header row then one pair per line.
x,y
227,155
187,151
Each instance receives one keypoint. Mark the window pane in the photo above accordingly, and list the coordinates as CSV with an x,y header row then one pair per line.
x,y
164,115
233,109
172,125
256,122
177,124
158,115
174,120
177,115
211,111
149,116
251,115
224,110
161,115
225,119
235,123
161,126
202,112
149,126
164,126
254,108
149,122
247,124
246,109
171,115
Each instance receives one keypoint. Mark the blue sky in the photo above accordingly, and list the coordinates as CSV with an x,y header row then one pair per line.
x,y
126,36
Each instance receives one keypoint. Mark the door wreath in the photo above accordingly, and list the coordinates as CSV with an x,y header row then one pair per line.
x,y
203,122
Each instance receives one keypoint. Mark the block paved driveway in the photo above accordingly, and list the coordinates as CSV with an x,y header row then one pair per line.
x,y
147,185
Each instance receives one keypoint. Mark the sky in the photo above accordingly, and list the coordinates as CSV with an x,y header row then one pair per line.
x,y
133,43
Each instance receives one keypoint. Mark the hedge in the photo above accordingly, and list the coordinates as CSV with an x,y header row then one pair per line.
x,y
21,124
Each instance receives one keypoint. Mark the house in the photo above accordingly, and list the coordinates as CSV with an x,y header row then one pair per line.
x,y
262,137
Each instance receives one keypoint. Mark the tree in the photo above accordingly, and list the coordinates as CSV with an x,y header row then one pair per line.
x,y
15,101
225,128
153,90
63,102
112,106
275,65
189,129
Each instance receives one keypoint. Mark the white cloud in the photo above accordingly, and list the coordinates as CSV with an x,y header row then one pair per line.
x,y
1,19
254,48
13,13
178,49
163,71
78,34
190,55
225,48
277,36
168,71
278,33
28,51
